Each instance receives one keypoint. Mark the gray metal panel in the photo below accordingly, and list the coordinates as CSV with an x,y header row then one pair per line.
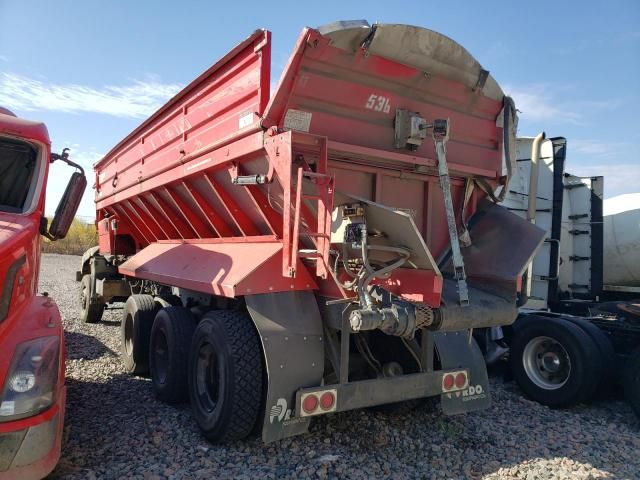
x,y
397,228
367,393
455,351
290,329
502,247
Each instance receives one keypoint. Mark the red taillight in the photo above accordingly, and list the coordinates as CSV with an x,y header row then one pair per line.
x,y
448,381
318,402
461,380
327,400
310,403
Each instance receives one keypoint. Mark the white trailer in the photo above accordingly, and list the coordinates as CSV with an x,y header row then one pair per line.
x,y
578,330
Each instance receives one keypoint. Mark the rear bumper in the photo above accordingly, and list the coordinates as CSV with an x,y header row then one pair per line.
x,y
30,447
368,393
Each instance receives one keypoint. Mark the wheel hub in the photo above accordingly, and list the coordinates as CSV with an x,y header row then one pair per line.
x,y
551,362
546,363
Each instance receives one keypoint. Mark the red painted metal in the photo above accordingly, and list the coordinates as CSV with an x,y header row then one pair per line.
x,y
173,217
196,223
148,219
165,224
179,175
242,221
210,215
419,286
29,315
214,267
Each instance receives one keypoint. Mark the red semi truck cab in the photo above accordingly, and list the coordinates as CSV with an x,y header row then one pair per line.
x,y
32,352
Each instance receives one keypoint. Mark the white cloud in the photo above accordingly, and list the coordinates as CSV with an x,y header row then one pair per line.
x,y
596,148
619,178
540,103
137,100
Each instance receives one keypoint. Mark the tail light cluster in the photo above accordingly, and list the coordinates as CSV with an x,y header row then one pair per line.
x,y
453,381
316,403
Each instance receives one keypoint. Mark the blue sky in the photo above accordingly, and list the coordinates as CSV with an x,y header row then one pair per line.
x,y
94,70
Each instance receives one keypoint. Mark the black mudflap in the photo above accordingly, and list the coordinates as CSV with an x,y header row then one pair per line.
x,y
290,330
456,351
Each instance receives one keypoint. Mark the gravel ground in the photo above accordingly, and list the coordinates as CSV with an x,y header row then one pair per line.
x,y
116,429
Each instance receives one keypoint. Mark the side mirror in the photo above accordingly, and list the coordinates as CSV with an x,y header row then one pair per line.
x,y
68,206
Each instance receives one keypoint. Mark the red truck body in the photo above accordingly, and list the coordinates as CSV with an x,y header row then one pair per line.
x,y
30,441
232,193
170,181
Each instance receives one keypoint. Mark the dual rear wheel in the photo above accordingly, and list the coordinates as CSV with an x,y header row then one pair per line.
x,y
215,363
560,361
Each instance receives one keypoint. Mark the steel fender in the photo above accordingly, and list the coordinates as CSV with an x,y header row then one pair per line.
x,y
86,257
290,329
455,351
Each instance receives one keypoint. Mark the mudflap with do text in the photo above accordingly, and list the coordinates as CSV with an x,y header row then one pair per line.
x,y
460,350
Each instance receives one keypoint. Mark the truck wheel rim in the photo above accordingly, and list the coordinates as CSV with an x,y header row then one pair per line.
x,y
161,357
207,378
546,363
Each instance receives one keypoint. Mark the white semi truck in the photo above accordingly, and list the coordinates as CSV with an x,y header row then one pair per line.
x,y
578,330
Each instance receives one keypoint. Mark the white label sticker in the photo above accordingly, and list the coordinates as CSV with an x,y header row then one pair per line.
x,y
297,120
246,119
7,408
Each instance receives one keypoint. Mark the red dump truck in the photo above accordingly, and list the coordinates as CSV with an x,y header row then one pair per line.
x,y
32,397
324,248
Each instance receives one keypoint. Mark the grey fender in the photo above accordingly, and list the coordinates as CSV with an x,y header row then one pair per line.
x,y
290,329
86,257
459,350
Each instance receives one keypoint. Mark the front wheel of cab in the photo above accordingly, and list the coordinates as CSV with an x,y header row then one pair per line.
x,y
225,375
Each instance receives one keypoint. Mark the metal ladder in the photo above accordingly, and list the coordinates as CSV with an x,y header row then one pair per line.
x,y
321,237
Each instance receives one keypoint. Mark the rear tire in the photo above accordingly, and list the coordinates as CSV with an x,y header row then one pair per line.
x,y
168,301
90,310
607,355
169,347
555,362
225,375
631,382
135,332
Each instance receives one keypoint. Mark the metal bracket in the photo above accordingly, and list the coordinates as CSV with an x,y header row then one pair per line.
x,y
440,138
249,179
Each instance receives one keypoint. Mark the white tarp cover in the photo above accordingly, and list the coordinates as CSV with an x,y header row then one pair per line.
x,y
418,47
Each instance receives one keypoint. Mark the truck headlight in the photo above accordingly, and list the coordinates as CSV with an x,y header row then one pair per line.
x,y
30,383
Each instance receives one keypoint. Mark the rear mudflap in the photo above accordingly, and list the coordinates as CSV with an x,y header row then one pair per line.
x,y
290,330
459,350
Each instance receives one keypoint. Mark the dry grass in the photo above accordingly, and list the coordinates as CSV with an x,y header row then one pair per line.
x,y
81,236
